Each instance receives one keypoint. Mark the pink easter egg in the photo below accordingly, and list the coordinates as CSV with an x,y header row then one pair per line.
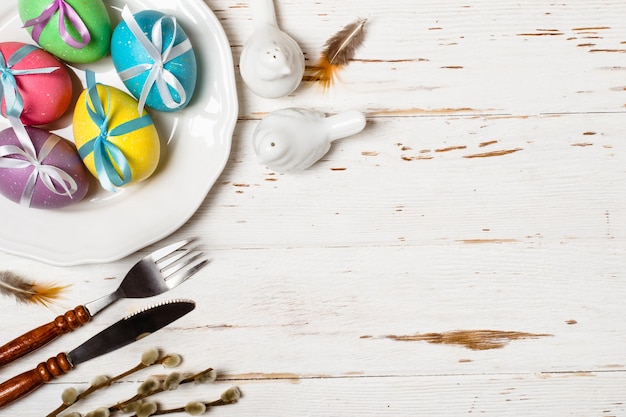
x,y
46,96
62,155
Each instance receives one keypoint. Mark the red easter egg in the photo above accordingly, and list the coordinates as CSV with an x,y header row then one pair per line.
x,y
46,96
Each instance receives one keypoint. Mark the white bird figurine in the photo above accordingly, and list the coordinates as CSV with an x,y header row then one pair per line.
x,y
292,139
271,62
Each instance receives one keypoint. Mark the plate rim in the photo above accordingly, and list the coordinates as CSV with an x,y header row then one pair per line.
x,y
229,114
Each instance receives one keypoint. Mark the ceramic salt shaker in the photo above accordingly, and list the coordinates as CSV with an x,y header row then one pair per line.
x,y
272,62
292,139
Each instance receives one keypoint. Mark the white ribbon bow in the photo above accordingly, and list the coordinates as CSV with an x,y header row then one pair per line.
x,y
158,74
47,173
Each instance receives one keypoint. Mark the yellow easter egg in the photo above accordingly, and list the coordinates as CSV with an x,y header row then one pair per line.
x,y
118,145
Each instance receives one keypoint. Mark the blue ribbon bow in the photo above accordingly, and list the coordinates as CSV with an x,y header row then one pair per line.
x,y
108,157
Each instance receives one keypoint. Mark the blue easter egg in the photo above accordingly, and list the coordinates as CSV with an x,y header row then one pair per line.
x,y
135,64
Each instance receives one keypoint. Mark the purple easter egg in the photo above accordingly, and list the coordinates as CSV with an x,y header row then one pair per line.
x,y
62,165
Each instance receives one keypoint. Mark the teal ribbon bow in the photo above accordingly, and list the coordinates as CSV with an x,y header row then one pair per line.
x,y
16,157
106,154
8,84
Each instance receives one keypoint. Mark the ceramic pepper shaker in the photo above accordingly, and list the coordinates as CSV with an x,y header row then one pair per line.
x,y
292,139
271,63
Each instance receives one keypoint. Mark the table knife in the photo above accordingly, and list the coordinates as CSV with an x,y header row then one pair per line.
x,y
155,273
125,331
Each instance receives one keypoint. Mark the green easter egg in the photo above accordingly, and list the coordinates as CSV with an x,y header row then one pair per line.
x,y
93,15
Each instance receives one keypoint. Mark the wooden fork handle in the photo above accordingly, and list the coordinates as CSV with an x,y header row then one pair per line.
x,y
38,337
27,382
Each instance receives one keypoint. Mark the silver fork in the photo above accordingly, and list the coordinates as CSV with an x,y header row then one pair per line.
x,y
154,274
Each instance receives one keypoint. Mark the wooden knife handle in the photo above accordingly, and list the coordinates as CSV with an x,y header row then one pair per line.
x,y
27,382
38,337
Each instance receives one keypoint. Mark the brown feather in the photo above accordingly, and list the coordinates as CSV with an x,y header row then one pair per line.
x,y
338,51
29,292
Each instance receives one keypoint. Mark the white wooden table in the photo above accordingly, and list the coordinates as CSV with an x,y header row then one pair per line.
x,y
464,254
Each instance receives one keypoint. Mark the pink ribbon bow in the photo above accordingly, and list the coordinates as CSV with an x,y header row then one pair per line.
x,y
65,10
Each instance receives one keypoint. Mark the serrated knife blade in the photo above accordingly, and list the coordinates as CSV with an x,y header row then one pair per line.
x,y
122,333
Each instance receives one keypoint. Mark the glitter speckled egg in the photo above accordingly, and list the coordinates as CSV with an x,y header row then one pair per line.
x,y
128,53
57,152
140,147
46,96
91,17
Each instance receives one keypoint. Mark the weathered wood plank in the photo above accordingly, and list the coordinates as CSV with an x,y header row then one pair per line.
x,y
575,394
385,311
472,58
464,254
430,180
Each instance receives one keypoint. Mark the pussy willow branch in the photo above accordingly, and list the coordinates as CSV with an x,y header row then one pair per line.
x,y
107,382
208,405
143,395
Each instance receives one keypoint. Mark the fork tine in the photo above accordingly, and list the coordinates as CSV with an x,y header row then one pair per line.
x,y
165,262
182,275
184,261
167,250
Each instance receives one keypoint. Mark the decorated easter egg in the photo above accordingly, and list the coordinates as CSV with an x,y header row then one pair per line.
x,y
155,59
40,85
74,30
46,173
117,145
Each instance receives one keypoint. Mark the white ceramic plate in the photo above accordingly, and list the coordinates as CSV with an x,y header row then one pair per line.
x,y
108,226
